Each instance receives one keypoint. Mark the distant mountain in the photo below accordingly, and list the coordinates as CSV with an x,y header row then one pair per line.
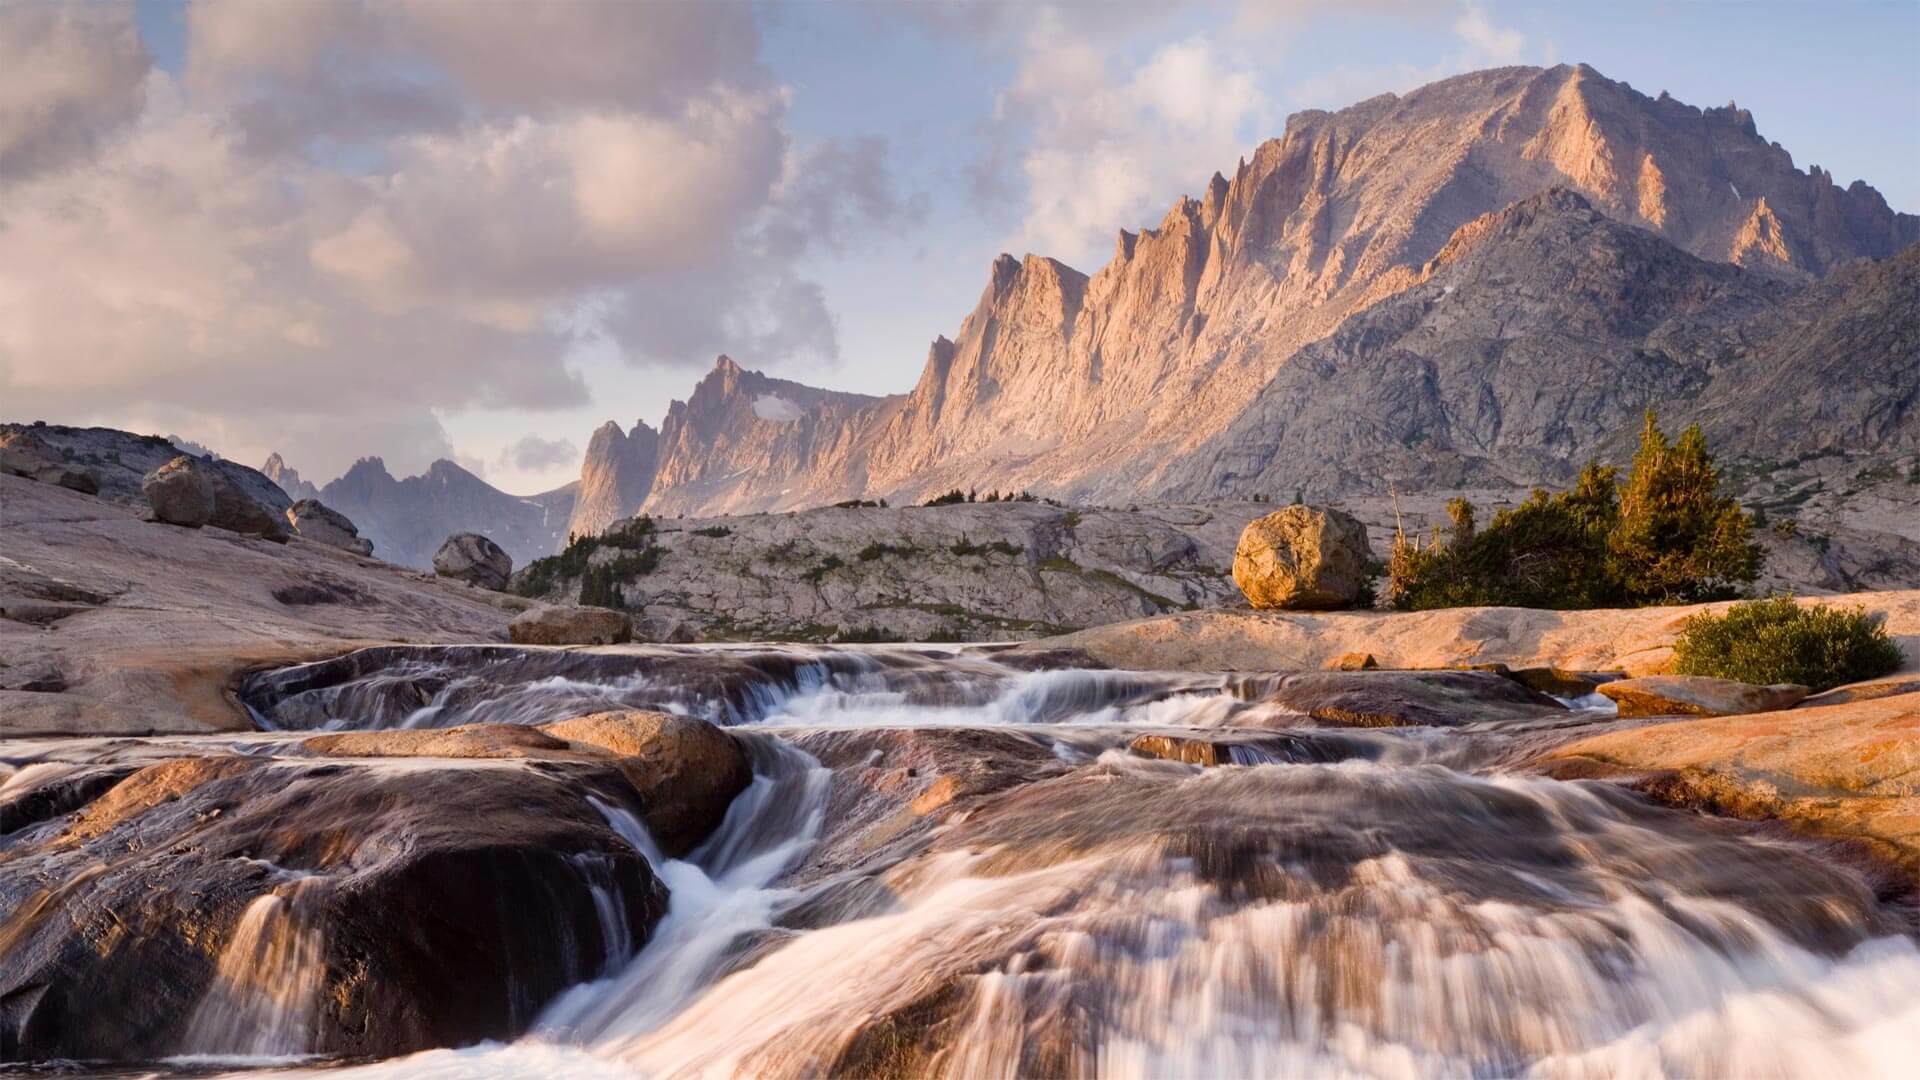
x,y
1482,281
278,471
1197,337
407,520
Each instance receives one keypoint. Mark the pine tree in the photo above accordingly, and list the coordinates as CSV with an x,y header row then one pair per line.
x,y
1678,540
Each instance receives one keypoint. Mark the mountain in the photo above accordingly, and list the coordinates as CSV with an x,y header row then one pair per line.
x,y
407,520
740,438
615,478
277,470
1112,386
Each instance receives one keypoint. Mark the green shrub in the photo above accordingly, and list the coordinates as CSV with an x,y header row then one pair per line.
x,y
715,531
878,550
1776,640
1662,536
635,536
951,498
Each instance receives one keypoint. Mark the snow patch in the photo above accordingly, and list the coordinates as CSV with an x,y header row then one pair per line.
x,y
775,408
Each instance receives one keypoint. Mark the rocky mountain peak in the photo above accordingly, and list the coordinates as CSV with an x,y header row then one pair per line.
x,y
616,477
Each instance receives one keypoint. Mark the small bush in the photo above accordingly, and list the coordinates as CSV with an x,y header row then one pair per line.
x,y
878,550
1776,640
951,498
715,531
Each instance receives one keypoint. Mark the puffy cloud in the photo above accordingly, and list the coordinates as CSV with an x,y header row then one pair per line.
x,y
1108,143
535,454
344,221
74,74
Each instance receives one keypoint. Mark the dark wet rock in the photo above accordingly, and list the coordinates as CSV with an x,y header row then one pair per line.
x,y
570,625
1402,698
474,559
28,802
1552,680
1698,695
1043,659
685,770
436,905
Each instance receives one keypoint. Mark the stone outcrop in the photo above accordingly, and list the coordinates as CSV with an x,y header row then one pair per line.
x,y
965,572
119,461
313,520
570,625
615,478
474,559
1698,695
1304,558
24,454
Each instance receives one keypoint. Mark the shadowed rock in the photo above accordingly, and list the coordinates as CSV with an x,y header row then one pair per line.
x,y
570,625
1698,695
474,559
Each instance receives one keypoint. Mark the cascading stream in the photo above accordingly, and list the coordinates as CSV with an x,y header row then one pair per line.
x,y
1394,902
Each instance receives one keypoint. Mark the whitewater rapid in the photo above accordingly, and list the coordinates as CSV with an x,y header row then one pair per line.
x,y
1397,903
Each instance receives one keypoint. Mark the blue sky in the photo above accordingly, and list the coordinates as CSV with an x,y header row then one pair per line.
x,y
816,188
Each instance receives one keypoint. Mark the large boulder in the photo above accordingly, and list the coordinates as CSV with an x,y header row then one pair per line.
x,y
1303,558
474,559
570,625
181,492
314,520
237,511
1698,695
23,453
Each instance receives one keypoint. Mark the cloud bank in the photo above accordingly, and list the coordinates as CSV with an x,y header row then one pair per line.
x,y
335,223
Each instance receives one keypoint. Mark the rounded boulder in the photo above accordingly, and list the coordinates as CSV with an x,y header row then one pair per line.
x,y
1303,558
474,559
181,492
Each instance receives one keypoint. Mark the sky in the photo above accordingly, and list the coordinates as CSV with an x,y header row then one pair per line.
x,y
478,230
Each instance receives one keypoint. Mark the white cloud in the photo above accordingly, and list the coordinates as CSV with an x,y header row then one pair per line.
x,y
1493,43
1107,142
72,75
537,455
347,220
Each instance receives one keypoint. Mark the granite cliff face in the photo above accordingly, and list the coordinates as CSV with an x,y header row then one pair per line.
x,y
615,478
1106,387
408,519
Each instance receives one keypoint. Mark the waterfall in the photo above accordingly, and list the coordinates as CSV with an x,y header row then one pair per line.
x,y
267,988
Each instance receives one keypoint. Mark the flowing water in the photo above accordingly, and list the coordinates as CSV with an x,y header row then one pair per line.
x,y
1402,902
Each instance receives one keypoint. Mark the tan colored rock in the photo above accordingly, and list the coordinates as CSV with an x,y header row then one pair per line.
x,y
1303,558
1353,661
1182,749
686,770
474,559
464,741
1698,695
1845,770
570,625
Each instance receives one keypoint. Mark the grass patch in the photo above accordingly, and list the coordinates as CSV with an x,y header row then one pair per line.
x,y
1776,640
